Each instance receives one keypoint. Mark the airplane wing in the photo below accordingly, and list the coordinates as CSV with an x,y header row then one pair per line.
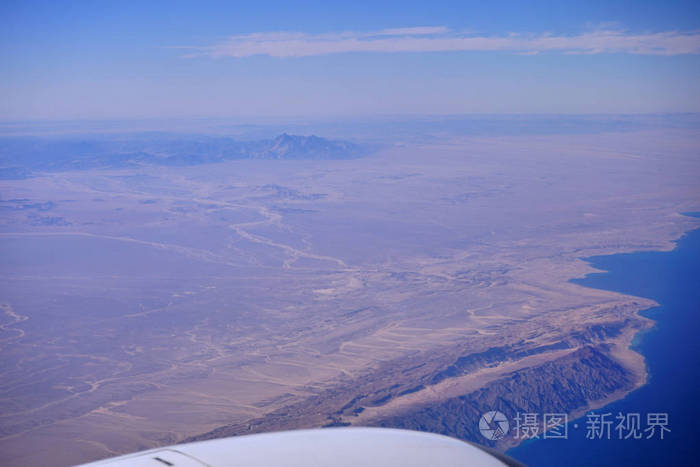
x,y
329,447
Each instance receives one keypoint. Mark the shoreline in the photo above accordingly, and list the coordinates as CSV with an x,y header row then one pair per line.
x,y
638,368
624,351
621,350
640,365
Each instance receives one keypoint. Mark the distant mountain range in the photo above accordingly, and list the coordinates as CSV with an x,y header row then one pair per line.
x,y
20,156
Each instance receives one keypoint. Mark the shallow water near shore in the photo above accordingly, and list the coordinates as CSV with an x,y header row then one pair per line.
x,y
672,352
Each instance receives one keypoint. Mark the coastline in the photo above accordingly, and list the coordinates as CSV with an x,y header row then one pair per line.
x,y
636,346
625,349
619,311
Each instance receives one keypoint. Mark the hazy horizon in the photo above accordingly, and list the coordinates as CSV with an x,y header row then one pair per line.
x,y
82,61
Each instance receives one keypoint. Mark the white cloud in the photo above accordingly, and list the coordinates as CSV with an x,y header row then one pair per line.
x,y
421,30
441,39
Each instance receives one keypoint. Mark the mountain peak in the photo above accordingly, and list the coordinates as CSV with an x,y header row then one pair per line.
x,y
286,146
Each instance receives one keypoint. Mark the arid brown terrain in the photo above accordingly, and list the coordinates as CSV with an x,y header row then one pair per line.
x,y
415,287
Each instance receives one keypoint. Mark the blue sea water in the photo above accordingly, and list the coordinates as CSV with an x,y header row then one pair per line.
x,y
672,352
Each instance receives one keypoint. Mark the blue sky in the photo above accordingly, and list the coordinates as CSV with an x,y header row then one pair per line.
x,y
96,60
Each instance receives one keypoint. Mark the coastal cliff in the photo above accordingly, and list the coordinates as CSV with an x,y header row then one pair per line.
x,y
447,393
566,385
